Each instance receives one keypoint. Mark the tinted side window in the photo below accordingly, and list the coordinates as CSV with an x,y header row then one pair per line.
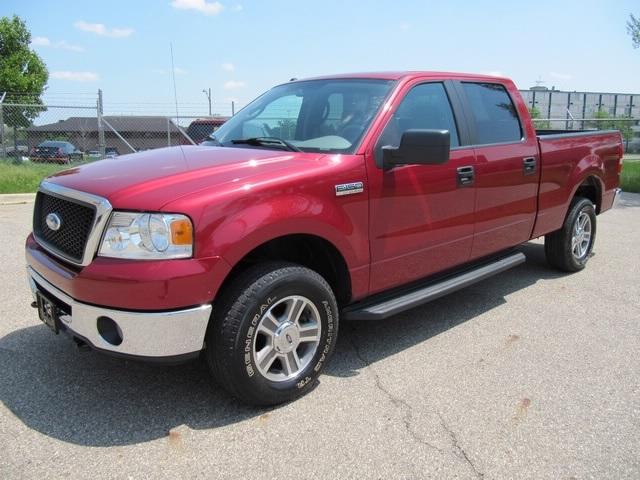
x,y
495,116
426,106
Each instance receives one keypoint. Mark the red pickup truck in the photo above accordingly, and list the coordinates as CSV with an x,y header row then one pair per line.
x,y
343,197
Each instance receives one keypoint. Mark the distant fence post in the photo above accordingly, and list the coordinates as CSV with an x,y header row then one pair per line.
x,y
101,141
233,108
168,132
4,148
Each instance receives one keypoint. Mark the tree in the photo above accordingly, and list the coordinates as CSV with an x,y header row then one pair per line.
x,y
539,124
633,27
23,74
606,122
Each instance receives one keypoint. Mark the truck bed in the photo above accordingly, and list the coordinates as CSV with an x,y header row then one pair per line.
x,y
568,157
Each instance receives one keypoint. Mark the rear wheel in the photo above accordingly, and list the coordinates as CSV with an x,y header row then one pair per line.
x,y
570,248
272,333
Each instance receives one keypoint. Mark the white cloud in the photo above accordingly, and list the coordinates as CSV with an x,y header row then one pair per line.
x,y
102,30
75,76
234,84
228,67
41,42
62,44
560,76
202,6
68,46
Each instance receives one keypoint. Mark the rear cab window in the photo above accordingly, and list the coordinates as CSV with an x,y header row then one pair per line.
x,y
494,115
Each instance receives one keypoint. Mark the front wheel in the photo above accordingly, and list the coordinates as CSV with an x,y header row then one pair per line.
x,y
272,333
570,248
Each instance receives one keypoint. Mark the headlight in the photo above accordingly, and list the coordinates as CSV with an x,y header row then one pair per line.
x,y
147,236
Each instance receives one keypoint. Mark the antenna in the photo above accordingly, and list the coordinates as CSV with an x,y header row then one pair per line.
x,y
173,76
539,81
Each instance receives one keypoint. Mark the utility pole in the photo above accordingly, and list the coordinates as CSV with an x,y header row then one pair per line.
x,y
208,94
4,148
99,112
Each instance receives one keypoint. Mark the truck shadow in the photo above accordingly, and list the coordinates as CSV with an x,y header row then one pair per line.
x,y
94,400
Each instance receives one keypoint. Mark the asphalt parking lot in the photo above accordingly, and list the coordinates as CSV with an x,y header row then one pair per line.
x,y
531,374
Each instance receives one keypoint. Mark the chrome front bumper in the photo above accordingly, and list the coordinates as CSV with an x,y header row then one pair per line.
x,y
153,335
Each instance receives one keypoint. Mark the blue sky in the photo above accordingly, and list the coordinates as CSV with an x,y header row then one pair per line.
x,y
241,48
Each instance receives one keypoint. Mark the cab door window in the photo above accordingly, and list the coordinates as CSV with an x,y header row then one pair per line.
x,y
426,106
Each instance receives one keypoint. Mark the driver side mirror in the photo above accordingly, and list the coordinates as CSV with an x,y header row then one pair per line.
x,y
418,147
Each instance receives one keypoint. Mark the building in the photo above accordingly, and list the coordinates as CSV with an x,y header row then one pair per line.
x,y
575,106
139,132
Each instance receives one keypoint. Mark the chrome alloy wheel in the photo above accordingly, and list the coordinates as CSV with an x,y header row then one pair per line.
x,y
581,239
287,338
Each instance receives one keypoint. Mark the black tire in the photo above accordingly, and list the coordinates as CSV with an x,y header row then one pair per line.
x,y
233,333
558,245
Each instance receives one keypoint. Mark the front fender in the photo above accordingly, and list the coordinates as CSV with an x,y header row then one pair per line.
x,y
250,226
238,227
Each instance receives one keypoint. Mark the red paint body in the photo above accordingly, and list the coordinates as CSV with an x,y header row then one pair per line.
x,y
410,221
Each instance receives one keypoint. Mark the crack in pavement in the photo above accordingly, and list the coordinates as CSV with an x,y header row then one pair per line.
x,y
396,401
460,451
408,416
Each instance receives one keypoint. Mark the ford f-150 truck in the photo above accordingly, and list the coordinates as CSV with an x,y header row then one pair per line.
x,y
342,197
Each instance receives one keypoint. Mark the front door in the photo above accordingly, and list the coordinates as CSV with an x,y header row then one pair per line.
x,y
421,216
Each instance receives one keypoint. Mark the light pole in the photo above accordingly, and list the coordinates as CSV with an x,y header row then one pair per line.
x,y
208,94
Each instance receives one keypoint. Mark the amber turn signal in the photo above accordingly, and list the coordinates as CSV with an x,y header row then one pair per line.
x,y
181,232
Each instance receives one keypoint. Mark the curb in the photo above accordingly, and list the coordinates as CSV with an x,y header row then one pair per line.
x,y
16,198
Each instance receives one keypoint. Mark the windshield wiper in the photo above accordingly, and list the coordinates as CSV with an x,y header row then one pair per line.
x,y
262,141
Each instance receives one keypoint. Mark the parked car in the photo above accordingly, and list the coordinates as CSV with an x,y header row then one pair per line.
x,y
345,197
199,130
21,152
111,152
54,151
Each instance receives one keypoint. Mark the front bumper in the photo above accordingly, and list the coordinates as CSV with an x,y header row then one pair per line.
x,y
146,335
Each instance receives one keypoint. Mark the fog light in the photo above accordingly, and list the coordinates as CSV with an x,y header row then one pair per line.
x,y
109,331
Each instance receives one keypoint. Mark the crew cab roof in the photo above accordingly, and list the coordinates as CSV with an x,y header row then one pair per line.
x,y
400,75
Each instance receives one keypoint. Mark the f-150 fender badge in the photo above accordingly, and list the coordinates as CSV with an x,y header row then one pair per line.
x,y
349,188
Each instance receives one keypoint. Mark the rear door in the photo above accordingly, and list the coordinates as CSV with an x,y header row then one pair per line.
x,y
507,167
421,216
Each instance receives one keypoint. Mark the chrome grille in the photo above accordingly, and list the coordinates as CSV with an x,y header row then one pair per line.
x,y
81,218
77,220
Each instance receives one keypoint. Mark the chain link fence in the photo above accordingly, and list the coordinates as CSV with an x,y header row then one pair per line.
x,y
89,130
86,130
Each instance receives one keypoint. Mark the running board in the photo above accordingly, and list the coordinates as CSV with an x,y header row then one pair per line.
x,y
420,295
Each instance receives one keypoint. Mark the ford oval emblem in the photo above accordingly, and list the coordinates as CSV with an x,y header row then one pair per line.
x,y
53,222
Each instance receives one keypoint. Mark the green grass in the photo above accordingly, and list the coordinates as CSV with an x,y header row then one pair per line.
x,y
24,177
630,178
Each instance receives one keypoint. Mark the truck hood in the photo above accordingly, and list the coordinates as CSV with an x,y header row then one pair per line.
x,y
148,180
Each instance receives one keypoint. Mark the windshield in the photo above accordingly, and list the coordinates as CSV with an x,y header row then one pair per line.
x,y
312,116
